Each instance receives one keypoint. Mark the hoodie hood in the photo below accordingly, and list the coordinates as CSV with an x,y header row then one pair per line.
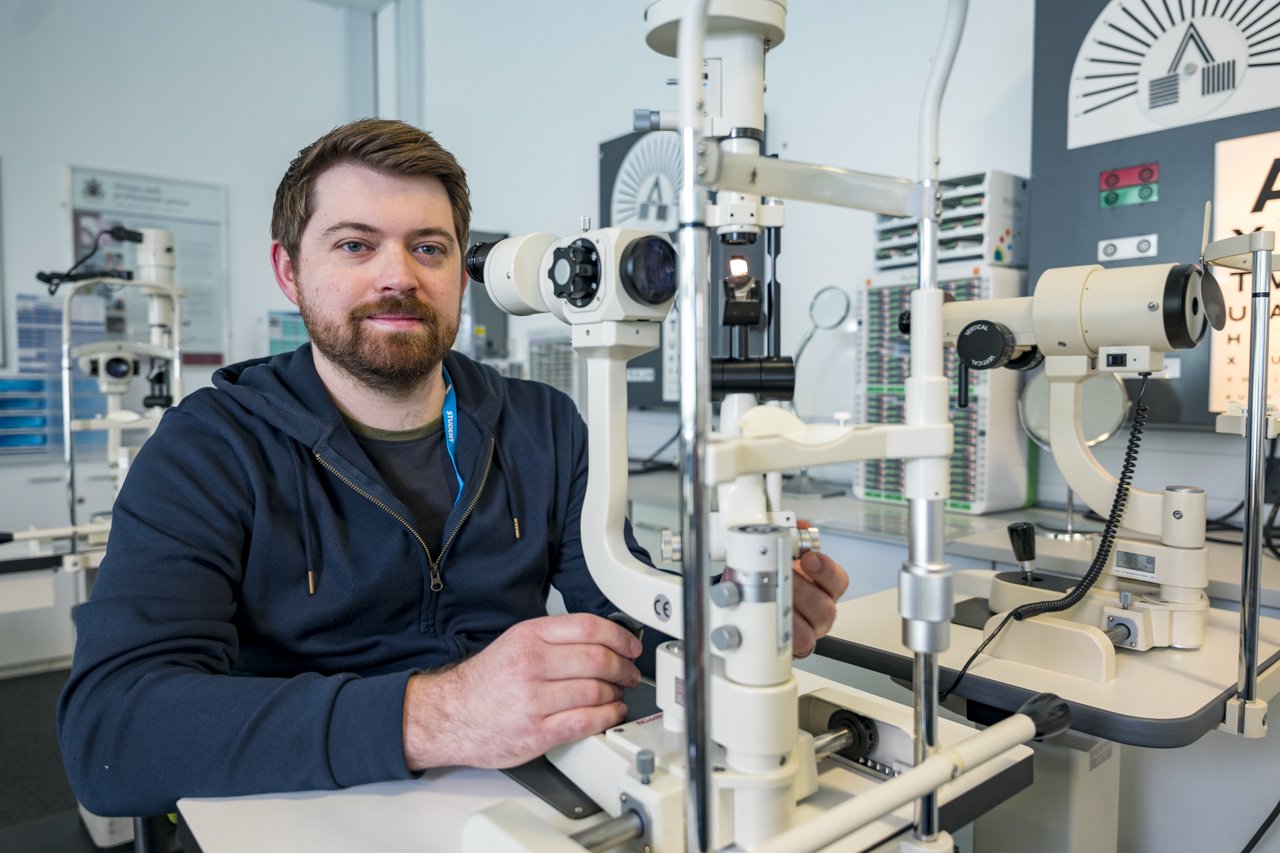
x,y
286,391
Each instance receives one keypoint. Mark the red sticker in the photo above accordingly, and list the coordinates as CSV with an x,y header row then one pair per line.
x,y
1130,176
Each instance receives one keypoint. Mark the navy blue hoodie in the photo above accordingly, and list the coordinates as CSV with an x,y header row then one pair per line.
x,y
203,664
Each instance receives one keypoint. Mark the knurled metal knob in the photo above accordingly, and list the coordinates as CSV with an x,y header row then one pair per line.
x,y
672,551
810,539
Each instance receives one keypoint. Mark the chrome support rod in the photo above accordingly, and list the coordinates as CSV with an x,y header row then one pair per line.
x,y
925,601
611,833
695,423
924,679
68,439
1119,634
925,589
1255,438
830,742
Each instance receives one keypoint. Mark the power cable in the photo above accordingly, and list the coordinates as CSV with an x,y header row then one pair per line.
x,y
1105,540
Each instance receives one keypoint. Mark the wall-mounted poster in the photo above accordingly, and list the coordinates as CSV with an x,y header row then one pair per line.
x,y
1145,67
196,214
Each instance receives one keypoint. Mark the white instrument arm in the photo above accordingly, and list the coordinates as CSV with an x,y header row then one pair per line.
x,y
645,593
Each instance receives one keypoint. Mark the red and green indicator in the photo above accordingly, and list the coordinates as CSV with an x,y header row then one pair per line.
x,y
1131,185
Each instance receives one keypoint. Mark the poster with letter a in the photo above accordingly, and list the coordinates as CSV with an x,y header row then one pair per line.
x,y
1246,198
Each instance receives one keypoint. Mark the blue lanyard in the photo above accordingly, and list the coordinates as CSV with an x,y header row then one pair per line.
x,y
451,428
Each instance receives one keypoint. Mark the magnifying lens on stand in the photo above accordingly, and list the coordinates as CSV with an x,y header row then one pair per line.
x,y
828,309
1104,405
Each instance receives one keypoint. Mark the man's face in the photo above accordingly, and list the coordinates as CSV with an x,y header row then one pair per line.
x,y
379,276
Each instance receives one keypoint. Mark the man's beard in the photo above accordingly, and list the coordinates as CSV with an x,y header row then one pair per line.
x,y
390,362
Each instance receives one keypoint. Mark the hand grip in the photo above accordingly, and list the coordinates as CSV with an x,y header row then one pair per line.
x,y
1022,536
1051,715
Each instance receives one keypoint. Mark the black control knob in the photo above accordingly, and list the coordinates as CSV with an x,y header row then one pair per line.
x,y
985,344
1022,536
1051,715
575,272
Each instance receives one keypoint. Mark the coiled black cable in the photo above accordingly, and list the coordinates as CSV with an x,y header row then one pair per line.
x,y
1105,540
54,280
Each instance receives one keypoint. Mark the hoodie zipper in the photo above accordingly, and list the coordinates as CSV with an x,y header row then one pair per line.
x,y
437,580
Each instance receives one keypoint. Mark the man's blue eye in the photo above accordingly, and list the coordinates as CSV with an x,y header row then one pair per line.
x,y
352,246
431,250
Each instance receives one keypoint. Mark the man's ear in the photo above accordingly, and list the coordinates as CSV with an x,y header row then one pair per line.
x,y
286,274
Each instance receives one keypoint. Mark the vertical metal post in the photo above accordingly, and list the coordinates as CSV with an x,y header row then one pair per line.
x,y
1255,436
925,551
928,578
694,424
695,421
925,584
773,248
68,437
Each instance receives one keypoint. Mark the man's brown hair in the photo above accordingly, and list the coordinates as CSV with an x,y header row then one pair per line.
x,y
384,145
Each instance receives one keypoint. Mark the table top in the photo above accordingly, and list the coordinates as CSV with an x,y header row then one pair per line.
x,y
1159,698
428,814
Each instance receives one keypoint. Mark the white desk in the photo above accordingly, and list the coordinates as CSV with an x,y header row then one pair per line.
x,y
423,815
427,815
1160,698
1208,794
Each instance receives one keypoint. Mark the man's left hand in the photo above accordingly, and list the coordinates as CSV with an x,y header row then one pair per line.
x,y
819,583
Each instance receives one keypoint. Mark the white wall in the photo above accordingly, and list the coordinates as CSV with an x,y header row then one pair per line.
x,y
525,97
222,93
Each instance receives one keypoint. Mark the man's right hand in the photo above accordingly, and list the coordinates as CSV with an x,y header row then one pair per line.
x,y
542,683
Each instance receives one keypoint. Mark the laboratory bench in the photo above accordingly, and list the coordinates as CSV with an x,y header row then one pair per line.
x,y
428,814
1145,769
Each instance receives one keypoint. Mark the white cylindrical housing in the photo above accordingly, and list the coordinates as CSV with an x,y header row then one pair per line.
x,y
1055,311
155,256
927,398
758,561
1182,523
1116,308
669,685
768,17
1077,310
513,273
735,59
160,308
760,814
741,77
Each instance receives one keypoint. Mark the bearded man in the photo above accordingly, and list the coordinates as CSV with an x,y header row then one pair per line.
x,y
331,568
